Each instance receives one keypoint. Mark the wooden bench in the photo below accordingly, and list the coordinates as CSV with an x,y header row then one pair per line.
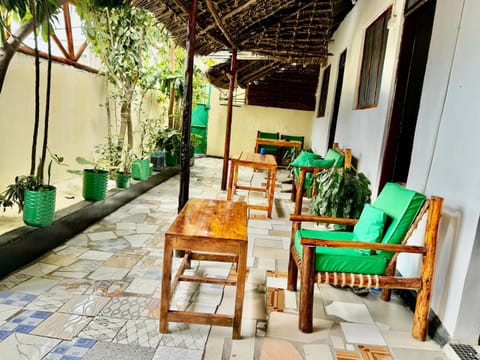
x,y
214,230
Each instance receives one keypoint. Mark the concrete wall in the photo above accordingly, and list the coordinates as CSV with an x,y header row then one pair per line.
x,y
246,120
77,122
446,133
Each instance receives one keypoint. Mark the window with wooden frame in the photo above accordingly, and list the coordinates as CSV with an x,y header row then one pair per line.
x,y
322,99
372,61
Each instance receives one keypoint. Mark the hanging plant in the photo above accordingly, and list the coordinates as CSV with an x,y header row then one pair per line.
x,y
340,193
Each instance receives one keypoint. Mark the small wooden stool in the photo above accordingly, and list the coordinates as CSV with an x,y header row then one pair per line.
x,y
214,230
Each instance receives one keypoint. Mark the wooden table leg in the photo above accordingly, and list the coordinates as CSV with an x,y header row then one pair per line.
x,y
271,192
166,277
230,180
240,291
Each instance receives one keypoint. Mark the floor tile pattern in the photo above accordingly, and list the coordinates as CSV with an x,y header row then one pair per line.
x,y
97,296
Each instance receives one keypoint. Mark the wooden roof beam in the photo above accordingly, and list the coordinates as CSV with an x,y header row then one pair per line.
x,y
220,24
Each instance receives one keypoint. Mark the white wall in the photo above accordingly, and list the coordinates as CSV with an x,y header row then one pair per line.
x,y
361,130
446,138
247,119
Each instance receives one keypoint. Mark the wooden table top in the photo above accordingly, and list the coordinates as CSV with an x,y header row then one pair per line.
x,y
211,219
255,158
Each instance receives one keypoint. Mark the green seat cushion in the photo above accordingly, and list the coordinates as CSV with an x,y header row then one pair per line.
x,y
340,259
369,227
309,159
402,206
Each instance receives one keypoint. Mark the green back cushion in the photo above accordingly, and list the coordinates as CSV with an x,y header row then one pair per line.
x,y
340,259
369,227
309,159
305,159
402,206
336,157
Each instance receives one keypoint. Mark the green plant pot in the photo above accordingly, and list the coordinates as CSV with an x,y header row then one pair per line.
x,y
172,159
94,184
122,180
141,169
39,206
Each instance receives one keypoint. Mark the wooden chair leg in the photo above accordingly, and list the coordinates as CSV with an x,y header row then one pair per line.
x,y
292,272
305,316
420,318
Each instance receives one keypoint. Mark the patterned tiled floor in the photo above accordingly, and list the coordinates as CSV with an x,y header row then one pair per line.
x,y
97,296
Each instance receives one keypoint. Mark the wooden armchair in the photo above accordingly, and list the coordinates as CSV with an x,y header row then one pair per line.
x,y
305,174
269,149
341,258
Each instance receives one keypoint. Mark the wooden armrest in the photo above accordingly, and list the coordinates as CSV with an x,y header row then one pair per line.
x,y
323,219
363,245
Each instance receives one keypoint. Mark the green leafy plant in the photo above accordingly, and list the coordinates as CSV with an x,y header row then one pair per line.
x,y
169,140
104,157
340,193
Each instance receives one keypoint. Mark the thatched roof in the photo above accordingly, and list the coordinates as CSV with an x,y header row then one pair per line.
x,y
290,31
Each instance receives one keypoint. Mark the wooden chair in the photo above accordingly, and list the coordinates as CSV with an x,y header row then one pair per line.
x,y
273,150
335,257
341,158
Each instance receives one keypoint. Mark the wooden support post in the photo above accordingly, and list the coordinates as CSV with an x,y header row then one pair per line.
x,y
228,130
305,313
187,108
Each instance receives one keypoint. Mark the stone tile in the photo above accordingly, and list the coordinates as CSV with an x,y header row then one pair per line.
x,y
143,286
111,245
186,336
285,326
23,346
172,353
79,240
357,313
126,308
95,255
49,301
317,352
7,311
137,240
404,339
13,280
126,226
16,298
122,261
73,350
416,354
103,235
108,351
243,349
35,286
71,286
139,332
87,305
59,260
108,273
38,269
102,328
107,288
25,322
146,228
362,334
61,326
74,251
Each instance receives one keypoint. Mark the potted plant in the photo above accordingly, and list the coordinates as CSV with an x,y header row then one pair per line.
x,y
124,174
340,193
170,140
95,178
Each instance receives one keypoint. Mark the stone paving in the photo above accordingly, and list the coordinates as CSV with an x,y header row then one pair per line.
x,y
97,296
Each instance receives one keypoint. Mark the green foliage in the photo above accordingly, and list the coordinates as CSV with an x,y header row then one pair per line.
x,y
169,140
340,193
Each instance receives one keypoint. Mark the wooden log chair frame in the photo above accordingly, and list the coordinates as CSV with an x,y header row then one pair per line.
x,y
298,192
387,281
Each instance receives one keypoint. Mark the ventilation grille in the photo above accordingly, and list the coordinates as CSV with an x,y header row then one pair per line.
x,y
461,352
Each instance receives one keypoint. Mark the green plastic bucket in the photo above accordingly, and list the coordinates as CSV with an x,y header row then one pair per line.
x,y
94,184
39,206
122,180
141,169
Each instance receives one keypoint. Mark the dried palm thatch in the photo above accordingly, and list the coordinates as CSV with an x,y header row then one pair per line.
x,y
287,31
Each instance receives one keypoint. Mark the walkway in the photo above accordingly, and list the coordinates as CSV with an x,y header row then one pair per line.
x,y
97,296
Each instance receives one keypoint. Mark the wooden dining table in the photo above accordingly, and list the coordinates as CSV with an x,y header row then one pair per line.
x,y
211,230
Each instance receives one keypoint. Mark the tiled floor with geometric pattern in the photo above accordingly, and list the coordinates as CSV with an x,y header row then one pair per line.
x,y
97,296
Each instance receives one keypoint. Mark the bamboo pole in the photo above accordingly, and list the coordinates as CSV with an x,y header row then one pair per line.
x,y
187,108
228,130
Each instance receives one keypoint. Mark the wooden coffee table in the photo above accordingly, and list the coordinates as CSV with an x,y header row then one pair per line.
x,y
214,230
255,161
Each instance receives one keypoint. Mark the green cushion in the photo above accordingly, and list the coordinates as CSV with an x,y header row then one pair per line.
x,y
402,206
340,259
369,227
336,157
322,162
305,159
269,149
